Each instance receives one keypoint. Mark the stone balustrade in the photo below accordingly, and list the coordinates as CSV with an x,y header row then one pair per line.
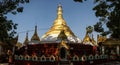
x,y
53,58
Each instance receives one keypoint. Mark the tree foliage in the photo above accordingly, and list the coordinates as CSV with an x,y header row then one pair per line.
x,y
8,27
108,12
79,0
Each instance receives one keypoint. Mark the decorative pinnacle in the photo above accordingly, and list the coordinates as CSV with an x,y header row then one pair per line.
x,y
59,11
35,36
36,29
59,4
26,39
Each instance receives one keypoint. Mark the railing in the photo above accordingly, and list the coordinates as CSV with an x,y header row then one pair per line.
x,y
53,58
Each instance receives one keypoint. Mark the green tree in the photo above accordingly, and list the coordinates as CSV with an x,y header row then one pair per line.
x,y
108,12
8,27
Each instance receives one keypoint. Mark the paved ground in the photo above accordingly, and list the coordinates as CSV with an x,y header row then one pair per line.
x,y
108,63
111,63
4,64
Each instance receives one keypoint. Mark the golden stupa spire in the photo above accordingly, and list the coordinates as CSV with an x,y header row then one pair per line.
x,y
26,39
35,36
59,19
58,26
59,11
87,38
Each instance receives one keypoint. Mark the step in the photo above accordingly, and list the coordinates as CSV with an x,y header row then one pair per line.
x,y
64,63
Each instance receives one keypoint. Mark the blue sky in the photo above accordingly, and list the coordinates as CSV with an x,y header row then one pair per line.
x,y
43,13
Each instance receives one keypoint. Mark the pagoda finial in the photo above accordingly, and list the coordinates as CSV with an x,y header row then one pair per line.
x,y
59,11
35,36
59,4
36,29
26,39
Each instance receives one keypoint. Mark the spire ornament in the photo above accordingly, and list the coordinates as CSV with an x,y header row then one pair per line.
x,y
26,39
59,12
35,36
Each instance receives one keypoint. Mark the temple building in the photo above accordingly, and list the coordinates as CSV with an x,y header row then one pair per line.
x,y
59,46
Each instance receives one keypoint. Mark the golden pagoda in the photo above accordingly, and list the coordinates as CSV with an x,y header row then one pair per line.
x,y
59,25
35,36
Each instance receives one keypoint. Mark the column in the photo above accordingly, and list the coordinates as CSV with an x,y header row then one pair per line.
x,y
0,49
117,50
103,50
13,50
